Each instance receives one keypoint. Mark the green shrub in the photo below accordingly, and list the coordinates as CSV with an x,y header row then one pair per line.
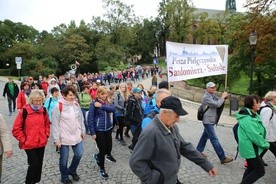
x,y
5,72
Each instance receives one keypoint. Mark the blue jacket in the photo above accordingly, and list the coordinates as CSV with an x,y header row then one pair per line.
x,y
50,106
147,119
99,118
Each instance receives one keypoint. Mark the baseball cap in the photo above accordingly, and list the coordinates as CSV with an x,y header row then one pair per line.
x,y
136,90
210,85
173,103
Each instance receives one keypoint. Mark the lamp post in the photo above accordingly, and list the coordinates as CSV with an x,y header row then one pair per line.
x,y
252,42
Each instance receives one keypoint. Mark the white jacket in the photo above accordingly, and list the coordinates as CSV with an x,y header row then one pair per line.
x,y
269,124
67,124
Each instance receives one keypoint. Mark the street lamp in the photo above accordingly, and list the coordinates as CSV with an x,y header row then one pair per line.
x,y
252,42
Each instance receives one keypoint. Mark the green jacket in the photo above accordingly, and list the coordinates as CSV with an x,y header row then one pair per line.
x,y
250,132
85,100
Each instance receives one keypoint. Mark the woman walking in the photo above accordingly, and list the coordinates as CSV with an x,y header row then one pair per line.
x,y
251,136
32,129
120,99
68,131
100,124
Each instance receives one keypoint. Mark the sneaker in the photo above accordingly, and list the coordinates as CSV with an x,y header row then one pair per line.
x,y
75,176
57,149
103,174
127,135
117,139
122,142
130,147
67,182
110,158
226,160
96,159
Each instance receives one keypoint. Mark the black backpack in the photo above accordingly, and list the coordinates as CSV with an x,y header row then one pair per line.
x,y
201,112
138,131
269,106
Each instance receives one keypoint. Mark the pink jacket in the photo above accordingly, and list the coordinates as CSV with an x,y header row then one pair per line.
x,y
67,123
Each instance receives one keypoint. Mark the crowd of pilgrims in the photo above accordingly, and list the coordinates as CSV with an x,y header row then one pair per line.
x,y
101,104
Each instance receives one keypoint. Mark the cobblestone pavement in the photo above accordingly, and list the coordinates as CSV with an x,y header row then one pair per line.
x,y
14,169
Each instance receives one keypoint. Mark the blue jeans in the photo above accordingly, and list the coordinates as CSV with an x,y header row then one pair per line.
x,y
63,160
209,133
133,128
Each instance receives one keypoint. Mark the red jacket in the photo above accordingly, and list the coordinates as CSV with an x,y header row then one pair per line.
x,y
21,100
36,130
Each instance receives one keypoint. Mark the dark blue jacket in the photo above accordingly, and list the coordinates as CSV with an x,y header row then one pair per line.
x,y
99,118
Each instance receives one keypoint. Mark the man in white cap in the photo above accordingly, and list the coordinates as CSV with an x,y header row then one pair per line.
x,y
210,118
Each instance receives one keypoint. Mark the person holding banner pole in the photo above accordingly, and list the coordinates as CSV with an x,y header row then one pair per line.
x,y
210,118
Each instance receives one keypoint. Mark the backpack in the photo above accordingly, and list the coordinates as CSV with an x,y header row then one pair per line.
x,y
201,112
235,133
49,103
25,113
138,131
126,118
266,105
149,106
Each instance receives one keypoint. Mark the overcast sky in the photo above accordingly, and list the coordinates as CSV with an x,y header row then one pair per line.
x,y
44,15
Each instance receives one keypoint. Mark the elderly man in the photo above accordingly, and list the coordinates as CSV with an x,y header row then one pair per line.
x,y
210,118
162,136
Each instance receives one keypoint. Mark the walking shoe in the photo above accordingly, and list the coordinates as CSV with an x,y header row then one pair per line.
x,y
130,147
122,142
96,159
67,182
110,158
127,135
226,160
75,176
117,139
57,149
103,174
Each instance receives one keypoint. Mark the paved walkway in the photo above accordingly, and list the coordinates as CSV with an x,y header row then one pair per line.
x,y
14,169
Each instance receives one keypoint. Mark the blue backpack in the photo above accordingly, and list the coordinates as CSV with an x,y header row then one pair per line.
x,y
149,106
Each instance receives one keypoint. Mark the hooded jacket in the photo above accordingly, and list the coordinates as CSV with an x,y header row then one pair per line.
x,y
67,122
35,132
251,134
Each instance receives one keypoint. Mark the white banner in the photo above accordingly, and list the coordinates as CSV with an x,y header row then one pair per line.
x,y
189,61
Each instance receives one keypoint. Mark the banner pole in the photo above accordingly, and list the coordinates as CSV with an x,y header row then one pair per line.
x,y
225,82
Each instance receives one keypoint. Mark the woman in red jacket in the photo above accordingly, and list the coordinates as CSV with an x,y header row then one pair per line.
x,y
23,95
32,129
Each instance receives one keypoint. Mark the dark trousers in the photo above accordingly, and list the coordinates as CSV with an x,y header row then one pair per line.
x,y
272,148
254,171
120,130
11,100
104,143
35,161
